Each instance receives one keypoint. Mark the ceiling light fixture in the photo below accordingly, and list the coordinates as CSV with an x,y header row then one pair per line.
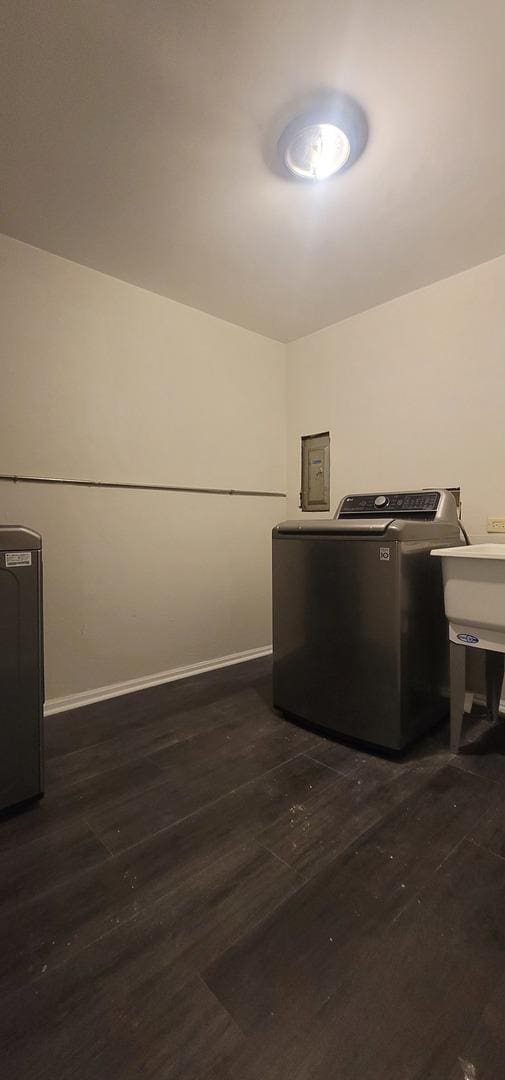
x,y
317,151
326,140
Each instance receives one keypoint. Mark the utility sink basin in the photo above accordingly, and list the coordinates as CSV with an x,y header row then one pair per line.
x,y
474,594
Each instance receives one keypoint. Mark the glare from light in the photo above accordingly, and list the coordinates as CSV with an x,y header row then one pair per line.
x,y
317,151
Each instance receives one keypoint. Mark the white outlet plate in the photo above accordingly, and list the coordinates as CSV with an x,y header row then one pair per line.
x,y
496,524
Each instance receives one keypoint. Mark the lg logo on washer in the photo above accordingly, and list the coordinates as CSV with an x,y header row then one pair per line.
x,y
469,639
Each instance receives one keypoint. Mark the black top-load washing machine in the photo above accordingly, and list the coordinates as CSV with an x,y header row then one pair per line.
x,y
359,630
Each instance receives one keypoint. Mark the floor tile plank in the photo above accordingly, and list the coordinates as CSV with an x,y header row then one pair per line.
x,y
201,770
161,949
489,831
134,1030
34,868
59,808
147,736
311,836
46,931
82,727
483,750
338,912
413,995
482,1048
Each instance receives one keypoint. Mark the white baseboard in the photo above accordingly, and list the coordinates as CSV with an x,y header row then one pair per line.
x,y
102,693
130,686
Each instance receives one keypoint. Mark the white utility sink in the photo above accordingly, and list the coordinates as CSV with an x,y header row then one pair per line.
x,y
474,594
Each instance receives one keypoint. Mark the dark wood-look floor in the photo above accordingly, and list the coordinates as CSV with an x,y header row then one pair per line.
x,y
208,892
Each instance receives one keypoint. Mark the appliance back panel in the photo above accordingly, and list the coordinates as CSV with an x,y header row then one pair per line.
x,y
420,505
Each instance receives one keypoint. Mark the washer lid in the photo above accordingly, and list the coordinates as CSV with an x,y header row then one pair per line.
x,y
17,538
335,526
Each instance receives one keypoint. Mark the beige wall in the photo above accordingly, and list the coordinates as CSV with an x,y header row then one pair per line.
x,y
413,394
100,379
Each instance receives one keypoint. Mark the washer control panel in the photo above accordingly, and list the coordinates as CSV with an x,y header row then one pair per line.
x,y
395,504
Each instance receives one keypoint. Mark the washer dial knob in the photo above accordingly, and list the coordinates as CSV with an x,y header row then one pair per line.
x,y
380,501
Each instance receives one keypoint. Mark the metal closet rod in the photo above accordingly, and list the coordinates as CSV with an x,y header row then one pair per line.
x,y
137,487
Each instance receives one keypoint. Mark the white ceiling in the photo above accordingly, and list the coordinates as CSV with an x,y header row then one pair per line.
x,y
136,136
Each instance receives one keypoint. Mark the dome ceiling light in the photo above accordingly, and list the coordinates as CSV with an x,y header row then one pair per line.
x,y
319,144
317,151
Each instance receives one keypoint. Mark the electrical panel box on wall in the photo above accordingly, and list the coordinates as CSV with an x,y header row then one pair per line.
x,y
315,489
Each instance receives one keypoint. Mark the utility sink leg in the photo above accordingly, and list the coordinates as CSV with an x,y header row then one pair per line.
x,y
458,683
495,664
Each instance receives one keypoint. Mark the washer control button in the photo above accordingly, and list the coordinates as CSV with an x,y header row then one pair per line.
x,y
381,501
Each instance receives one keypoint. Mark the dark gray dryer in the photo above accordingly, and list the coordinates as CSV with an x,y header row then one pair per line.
x,y
359,631
21,666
